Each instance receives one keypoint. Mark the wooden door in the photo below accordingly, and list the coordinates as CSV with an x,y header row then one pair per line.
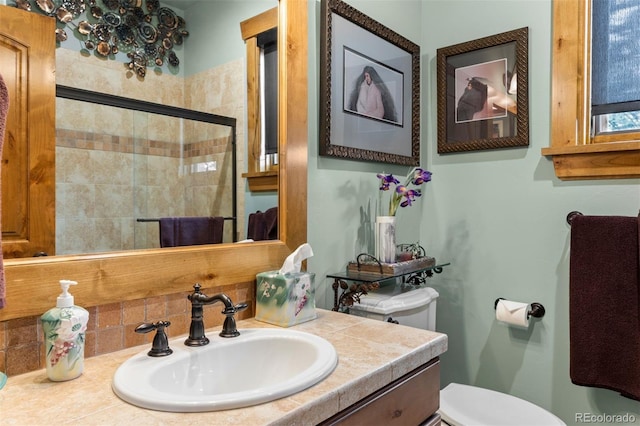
x,y
27,65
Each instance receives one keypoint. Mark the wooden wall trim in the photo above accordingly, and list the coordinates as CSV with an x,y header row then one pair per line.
x,y
259,23
32,288
574,153
293,121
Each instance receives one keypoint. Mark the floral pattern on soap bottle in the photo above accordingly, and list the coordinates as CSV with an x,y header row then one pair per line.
x,y
64,340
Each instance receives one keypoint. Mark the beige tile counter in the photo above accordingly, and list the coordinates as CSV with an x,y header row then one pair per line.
x,y
371,354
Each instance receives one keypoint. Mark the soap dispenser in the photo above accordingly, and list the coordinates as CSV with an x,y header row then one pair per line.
x,y
64,331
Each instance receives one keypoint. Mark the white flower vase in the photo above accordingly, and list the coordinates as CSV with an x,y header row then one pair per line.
x,y
386,239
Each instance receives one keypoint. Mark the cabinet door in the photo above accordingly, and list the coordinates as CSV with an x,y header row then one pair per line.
x,y
410,400
27,64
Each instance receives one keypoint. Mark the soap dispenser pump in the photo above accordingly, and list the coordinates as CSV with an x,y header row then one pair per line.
x,y
64,330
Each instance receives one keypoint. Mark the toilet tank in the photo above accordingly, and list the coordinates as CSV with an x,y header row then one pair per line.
x,y
406,304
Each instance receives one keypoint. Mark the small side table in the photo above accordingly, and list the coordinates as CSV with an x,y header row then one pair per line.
x,y
363,282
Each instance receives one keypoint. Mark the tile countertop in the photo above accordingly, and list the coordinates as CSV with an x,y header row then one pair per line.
x,y
371,354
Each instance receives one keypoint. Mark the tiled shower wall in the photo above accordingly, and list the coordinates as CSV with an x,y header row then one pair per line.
x,y
103,187
96,203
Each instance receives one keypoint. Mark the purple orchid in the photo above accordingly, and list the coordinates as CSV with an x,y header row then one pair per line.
x,y
386,181
403,196
409,194
421,176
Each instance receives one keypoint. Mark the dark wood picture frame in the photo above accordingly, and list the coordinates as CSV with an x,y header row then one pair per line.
x,y
479,106
351,45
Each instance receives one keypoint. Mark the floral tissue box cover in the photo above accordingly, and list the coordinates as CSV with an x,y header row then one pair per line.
x,y
285,299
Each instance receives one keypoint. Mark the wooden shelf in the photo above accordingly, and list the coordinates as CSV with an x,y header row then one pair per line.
x,y
262,181
612,160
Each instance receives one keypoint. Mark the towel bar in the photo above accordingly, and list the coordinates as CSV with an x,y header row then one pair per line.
x,y
572,215
158,220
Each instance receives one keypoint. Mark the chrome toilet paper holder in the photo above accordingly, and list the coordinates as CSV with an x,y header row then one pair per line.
x,y
536,311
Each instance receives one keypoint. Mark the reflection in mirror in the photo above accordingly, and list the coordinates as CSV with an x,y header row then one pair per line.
x,y
139,274
260,36
122,164
212,78
261,40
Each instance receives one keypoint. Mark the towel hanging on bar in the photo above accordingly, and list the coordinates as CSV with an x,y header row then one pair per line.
x,y
263,226
604,303
189,231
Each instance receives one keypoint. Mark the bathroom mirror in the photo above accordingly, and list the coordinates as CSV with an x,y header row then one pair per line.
x,y
136,274
214,82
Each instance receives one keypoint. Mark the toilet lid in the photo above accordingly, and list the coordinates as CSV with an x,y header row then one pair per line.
x,y
391,299
463,405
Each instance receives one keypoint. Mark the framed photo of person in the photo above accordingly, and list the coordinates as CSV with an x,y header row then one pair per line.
x,y
483,97
369,89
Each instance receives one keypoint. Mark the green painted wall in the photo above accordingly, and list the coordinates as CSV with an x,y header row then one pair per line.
x,y
497,216
215,36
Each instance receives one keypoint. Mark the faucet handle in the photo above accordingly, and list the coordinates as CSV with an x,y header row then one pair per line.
x,y
240,307
229,326
231,310
160,345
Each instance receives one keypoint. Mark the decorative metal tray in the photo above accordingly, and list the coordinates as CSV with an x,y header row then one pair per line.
x,y
376,267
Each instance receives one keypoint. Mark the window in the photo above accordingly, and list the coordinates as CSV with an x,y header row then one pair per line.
x,y
268,45
615,122
580,150
615,63
260,36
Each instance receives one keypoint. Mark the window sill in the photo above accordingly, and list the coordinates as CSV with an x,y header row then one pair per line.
x,y
262,181
620,160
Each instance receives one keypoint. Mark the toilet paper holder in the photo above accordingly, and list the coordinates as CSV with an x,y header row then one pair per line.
x,y
536,311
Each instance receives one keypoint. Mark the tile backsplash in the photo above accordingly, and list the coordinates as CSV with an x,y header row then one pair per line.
x,y
111,327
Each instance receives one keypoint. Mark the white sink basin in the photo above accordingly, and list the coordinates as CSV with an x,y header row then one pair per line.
x,y
258,366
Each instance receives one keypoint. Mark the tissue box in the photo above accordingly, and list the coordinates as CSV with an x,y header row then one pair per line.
x,y
285,299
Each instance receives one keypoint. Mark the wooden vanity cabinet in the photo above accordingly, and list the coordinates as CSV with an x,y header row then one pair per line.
x,y
413,399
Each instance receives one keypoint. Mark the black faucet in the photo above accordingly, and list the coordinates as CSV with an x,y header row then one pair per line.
x,y
196,330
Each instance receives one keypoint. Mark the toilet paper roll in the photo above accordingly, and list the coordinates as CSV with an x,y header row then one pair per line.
x,y
513,313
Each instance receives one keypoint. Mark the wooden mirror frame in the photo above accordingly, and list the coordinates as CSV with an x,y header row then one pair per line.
x,y
32,284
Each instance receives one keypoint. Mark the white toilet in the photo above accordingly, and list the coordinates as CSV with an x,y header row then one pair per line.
x,y
460,405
